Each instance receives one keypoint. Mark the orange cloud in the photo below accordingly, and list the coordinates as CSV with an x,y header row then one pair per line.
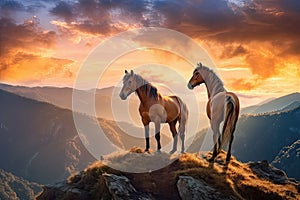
x,y
263,66
26,37
243,84
29,69
258,36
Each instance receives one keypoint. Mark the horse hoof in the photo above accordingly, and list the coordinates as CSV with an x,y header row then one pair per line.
x,y
146,151
182,152
173,151
227,159
212,159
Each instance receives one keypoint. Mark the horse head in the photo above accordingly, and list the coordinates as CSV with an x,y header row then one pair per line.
x,y
129,84
197,78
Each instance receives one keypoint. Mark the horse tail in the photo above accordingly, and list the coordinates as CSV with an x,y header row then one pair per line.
x,y
231,117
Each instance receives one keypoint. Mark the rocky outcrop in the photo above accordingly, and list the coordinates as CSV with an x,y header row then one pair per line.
x,y
191,176
190,188
63,189
121,188
288,159
264,170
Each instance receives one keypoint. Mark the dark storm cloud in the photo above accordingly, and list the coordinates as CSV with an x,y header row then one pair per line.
x,y
218,20
211,20
27,35
209,15
99,17
8,8
290,5
63,10
11,5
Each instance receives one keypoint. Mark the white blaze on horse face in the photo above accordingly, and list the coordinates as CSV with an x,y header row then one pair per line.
x,y
157,113
124,92
129,86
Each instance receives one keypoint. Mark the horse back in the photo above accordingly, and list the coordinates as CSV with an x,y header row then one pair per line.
x,y
183,110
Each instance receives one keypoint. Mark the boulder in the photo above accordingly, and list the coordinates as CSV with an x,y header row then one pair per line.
x,y
62,189
190,188
120,188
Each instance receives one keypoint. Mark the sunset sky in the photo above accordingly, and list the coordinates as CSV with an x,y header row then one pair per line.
x,y
254,44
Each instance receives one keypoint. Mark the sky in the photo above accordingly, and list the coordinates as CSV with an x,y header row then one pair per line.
x,y
254,44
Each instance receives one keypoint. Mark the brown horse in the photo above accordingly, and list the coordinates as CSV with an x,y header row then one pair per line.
x,y
221,106
156,108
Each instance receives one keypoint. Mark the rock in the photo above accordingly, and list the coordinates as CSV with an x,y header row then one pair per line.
x,y
288,159
121,188
62,189
212,181
190,188
264,170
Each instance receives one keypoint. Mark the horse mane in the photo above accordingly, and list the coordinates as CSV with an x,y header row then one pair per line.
x,y
149,89
212,80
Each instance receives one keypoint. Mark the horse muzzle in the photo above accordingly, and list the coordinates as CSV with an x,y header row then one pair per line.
x,y
122,96
190,86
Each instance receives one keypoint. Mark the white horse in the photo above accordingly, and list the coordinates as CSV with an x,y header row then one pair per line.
x,y
221,106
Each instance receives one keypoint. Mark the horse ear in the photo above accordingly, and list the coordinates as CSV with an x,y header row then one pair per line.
x,y
131,72
199,64
126,72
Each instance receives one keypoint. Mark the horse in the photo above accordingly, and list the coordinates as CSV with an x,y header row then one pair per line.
x,y
221,106
156,108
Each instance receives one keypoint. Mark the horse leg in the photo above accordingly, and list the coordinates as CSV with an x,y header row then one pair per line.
x,y
175,136
217,116
146,127
230,142
229,148
216,136
236,110
157,135
181,129
219,143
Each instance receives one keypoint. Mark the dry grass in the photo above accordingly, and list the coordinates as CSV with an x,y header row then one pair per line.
x,y
233,179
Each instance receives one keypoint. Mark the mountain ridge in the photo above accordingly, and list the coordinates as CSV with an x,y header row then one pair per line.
x,y
191,176
37,134
15,188
273,105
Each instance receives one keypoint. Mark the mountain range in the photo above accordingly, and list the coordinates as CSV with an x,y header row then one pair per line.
x,y
273,136
261,137
62,97
36,136
284,103
39,141
108,104
15,188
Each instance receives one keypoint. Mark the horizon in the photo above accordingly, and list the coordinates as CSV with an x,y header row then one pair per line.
x,y
267,100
